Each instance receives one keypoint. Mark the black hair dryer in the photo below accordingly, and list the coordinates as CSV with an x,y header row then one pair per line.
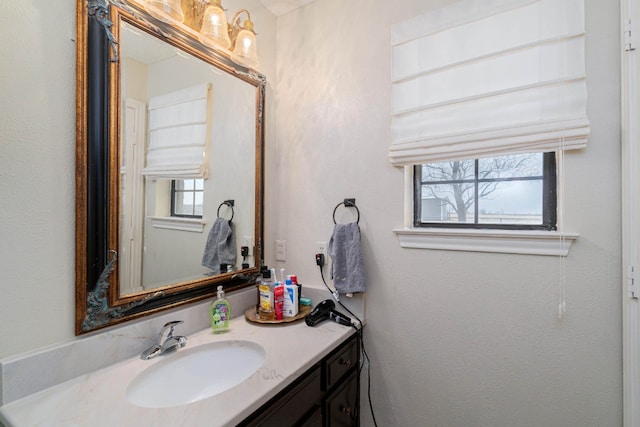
x,y
325,310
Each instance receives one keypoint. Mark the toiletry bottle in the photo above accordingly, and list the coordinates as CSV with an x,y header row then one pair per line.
x,y
278,300
265,302
290,299
220,313
294,281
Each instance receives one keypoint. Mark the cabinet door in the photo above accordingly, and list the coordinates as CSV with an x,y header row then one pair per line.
x,y
314,419
342,406
293,408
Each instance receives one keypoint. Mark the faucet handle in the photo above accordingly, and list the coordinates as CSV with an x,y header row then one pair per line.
x,y
166,341
170,326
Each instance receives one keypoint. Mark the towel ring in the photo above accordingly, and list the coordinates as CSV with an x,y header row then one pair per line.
x,y
348,203
229,203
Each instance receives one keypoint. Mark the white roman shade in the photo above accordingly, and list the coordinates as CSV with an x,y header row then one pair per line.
x,y
178,134
489,77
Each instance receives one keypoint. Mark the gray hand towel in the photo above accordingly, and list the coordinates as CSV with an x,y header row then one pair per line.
x,y
221,245
347,266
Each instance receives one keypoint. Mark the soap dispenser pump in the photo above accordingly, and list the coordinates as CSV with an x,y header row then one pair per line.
x,y
220,313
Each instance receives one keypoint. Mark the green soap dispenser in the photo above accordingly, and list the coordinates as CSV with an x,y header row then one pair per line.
x,y
220,313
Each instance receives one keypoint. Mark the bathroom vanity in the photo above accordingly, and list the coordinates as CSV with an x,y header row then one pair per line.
x,y
309,377
326,395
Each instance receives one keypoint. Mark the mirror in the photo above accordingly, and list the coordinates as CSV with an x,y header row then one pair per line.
x,y
169,166
159,245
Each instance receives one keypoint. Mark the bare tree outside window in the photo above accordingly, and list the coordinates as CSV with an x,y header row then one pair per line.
x,y
499,192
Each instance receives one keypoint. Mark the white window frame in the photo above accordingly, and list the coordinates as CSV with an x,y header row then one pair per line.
x,y
162,216
194,225
528,242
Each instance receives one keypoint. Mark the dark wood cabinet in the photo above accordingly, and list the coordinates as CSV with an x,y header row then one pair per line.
x,y
340,362
327,395
341,407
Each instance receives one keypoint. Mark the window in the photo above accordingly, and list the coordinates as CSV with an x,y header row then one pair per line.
x,y
515,192
187,197
480,80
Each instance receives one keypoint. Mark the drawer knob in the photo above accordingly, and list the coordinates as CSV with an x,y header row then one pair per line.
x,y
346,363
345,410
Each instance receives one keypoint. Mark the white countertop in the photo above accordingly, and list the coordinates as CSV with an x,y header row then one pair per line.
x,y
97,399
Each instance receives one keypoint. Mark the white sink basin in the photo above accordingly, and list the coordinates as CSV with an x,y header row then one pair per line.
x,y
195,373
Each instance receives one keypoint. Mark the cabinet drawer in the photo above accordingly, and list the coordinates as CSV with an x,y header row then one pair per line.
x,y
342,362
341,407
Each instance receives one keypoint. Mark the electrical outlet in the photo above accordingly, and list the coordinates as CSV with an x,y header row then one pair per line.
x,y
281,250
248,242
322,248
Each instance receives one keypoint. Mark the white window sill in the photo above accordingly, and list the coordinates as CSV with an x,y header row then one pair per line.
x,y
530,242
177,223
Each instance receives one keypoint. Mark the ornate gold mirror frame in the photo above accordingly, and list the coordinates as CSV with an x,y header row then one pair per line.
x,y
98,302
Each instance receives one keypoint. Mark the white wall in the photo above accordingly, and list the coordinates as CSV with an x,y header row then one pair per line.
x,y
37,166
37,160
455,339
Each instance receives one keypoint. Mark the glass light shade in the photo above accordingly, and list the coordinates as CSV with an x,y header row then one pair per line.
x,y
165,10
246,50
214,31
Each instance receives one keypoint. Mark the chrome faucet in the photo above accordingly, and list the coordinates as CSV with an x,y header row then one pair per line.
x,y
167,342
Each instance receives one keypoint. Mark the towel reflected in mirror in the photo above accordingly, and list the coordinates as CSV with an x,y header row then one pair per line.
x,y
221,246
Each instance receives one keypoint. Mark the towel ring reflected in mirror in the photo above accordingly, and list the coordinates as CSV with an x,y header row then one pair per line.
x,y
348,203
229,203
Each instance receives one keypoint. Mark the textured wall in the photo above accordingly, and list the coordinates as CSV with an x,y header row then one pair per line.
x,y
37,161
37,166
455,339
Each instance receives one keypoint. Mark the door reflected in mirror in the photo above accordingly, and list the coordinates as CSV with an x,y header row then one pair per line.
x,y
187,145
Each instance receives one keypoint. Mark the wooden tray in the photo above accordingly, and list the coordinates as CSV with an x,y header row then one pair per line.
x,y
252,316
